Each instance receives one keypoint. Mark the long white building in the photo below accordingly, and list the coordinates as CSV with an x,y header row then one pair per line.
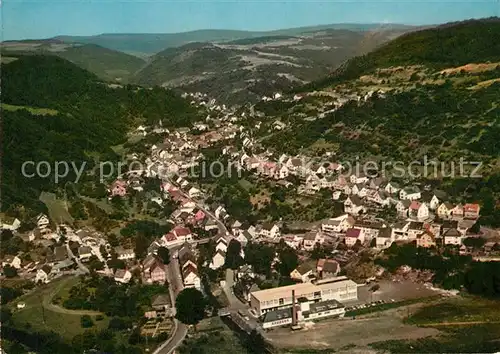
x,y
340,289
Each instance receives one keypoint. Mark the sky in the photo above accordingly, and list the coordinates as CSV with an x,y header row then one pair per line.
x,y
34,19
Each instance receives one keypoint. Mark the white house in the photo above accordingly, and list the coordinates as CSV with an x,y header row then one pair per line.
x,y
311,238
13,227
402,207
384,238
13,261
336,195
360,190
452,237
410,193
124,254
191,278
415,229
84,253
400,230
42,221
221,244
282,172
392,188
270,230
358,178
194,192
354,205
302,273
218,260
122,276
42,275
418,210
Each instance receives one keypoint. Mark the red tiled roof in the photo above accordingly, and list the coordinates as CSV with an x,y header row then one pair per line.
x,y
170,237
353,233
181,231
415,205
469,207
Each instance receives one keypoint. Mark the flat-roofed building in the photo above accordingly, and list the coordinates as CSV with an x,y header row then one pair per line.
x,y
340,288
306,311
277,298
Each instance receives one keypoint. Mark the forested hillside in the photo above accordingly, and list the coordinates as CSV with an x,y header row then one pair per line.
x,y
106,63
433,94
87,118
448,45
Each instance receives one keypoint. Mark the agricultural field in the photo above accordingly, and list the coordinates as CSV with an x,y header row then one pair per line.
x,y
32,110
41,314
57,210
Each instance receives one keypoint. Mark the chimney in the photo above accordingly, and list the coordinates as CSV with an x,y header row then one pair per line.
x,y
294,310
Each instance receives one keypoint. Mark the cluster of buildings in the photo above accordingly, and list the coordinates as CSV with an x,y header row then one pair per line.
x,y
303,302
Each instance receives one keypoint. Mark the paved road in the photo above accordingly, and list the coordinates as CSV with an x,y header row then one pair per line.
x,y
77,260
175,287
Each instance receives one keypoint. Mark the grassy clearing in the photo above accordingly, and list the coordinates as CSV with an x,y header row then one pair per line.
x,y
57,209
40,315
245,184
468,324
32,110
460,309
389,305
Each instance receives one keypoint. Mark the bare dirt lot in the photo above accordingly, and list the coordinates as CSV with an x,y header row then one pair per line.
x,y
390,290
337,334
355,334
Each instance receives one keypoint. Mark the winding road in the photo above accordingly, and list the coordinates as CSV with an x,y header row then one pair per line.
x,y
176,284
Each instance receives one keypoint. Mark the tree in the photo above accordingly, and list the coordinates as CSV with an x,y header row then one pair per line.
x,y
95,264
86,321
9,272
474,242
260,256
8,294
164,254
233,255
288,260
190,306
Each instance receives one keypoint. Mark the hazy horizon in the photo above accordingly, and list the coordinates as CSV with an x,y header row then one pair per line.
x,y
35,19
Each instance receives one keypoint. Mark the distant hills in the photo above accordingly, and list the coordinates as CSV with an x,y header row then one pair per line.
x,y
108,64
246,69
451,44
234,66
145,44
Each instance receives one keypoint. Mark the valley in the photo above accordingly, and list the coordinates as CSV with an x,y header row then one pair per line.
x,y
295,191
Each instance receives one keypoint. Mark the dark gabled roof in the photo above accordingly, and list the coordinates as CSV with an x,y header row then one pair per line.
x,y
267,226
330,266
304,268
355,200
60,253
47,269
452,233
449,224
189,269
161,300
385,232
416,225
